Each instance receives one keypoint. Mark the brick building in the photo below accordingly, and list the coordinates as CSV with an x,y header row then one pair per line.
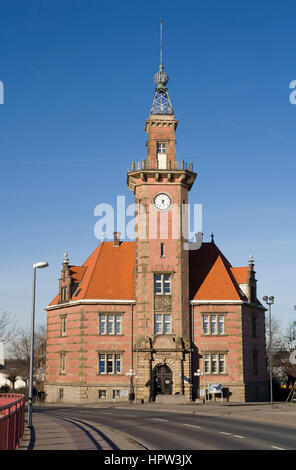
x,y
158,317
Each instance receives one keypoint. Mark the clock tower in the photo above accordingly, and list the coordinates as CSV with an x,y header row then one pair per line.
x,y
162,326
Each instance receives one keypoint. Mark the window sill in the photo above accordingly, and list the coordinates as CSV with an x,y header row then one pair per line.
x,y
213,334
110,334
109,375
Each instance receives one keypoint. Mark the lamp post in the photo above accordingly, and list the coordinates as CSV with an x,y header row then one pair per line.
x,y
30,407
198,373
269,301
131,374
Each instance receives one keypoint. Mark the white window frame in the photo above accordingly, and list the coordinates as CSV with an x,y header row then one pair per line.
x,y
213,319
110,319
162,282
162,320
218,358
161,147
110,358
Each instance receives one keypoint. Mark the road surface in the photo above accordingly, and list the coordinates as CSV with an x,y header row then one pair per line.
x,y
164,430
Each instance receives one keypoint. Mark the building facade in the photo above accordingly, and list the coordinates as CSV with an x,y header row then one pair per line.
x,y
158,318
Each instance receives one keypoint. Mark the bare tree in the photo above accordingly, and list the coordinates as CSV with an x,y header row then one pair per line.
x,y
8,329
21,350
288,345
276,336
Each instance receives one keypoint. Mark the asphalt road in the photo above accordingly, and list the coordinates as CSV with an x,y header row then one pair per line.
x,y
163,430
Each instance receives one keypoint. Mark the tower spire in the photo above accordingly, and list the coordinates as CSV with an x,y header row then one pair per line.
x,y
161,103
161,66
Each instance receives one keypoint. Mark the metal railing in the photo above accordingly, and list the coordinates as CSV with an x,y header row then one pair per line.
x,y
158,165
12,419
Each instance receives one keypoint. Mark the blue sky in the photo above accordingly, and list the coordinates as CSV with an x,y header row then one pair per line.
x,y
78,83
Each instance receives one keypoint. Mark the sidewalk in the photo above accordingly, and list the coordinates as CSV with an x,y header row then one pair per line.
x,y
50,433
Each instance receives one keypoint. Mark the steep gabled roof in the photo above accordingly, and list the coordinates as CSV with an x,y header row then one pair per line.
x,y
211,275
108,274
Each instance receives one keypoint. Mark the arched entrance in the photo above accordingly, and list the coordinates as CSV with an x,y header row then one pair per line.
x,y
163,382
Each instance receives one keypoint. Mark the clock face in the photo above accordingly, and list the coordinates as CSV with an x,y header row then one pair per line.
x,y
162,202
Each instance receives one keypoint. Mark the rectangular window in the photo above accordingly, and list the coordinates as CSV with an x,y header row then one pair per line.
x,y
167,323
118,324
162,250
162,284
118,363
205,322
110,324
102,324
213,324
214,363
102,363
221,324
63,325
61,392
62,363
221,363
162,324
207,363
102,394
157,284
167,283
161,147
110,363
157,324
63,294
116,394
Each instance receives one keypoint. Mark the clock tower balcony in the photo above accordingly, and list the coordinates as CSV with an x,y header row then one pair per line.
x,y
154,171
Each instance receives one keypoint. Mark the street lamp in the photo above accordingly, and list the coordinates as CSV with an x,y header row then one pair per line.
x,y
131,374
198,373
30,407
269,301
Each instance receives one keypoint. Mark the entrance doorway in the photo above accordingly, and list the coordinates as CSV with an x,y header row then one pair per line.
x,y
163,380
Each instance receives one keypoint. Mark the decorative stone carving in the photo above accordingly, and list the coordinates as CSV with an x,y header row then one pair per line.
x,y
162,303
143,342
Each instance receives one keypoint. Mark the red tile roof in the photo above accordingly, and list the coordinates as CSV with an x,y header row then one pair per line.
x,y
108,274
241,274
211,275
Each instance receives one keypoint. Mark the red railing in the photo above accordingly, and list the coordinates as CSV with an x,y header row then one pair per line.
x,y
12,418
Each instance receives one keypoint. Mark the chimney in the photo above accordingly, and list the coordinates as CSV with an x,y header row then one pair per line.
x,y
252,283
116,241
